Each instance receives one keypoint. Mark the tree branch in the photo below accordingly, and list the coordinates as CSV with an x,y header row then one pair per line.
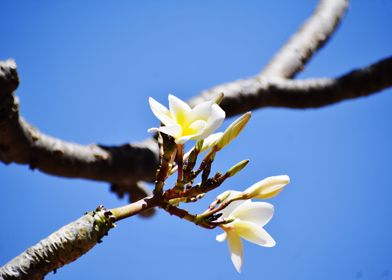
x,y
125,165
60,248
315,32
70,242
253,93
20,142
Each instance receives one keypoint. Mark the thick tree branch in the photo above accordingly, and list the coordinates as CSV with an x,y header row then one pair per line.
x,y
316,31
60,248
253,93
22,143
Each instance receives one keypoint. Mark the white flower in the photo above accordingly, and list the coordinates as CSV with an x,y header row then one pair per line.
x,y
185,123
248,221
267,188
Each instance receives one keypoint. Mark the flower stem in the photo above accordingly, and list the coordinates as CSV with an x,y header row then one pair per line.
x,y
183,214
132,209
166,154
208,159
179,160
209,212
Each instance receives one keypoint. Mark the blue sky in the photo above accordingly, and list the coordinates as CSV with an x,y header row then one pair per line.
x,y
86,72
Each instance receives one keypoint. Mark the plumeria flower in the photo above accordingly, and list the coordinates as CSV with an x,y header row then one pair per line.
x,y
248,219
185,123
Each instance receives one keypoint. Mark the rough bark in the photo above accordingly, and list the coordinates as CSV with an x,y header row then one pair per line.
x,y
60,248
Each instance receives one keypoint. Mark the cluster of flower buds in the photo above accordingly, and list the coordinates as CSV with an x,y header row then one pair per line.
x,y
233,211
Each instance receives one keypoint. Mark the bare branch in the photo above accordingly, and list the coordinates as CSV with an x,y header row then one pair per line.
x,y
127,164
22,143
308,40
75,239
60,248
70,242
244,95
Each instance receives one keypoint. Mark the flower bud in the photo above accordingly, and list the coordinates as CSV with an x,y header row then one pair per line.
x,y
218,98
238,167
203,145
267,188
233,130
211,141
223,196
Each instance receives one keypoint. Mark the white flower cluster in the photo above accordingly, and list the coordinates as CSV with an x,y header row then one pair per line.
x,y
243,217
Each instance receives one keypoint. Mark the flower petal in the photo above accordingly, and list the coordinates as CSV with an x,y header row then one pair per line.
x,y
215,119
172,130
178,109
253,233
183,139
201,111
235,247
221,237
192,132
160,111
194,129
153,129
258,213
270,194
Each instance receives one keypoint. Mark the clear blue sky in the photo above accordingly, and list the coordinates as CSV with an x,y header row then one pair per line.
x,y
86,72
